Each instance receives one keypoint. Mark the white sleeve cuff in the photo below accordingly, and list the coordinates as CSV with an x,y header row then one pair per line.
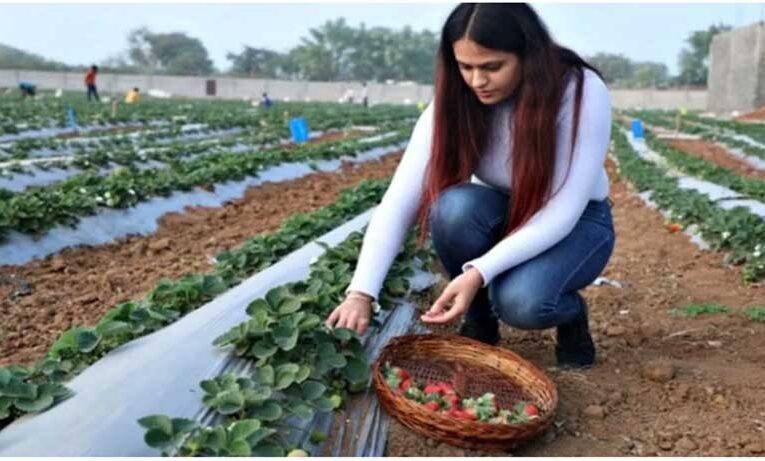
x,y
477,265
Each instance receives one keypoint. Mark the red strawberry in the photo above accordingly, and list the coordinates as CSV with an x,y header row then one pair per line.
x,y
531,411
432,406
432,388
405,384
464,415
402,374
446,388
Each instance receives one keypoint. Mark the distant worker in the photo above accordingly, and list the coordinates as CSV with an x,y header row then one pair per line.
x,y
27,89
364,95
90,83
133,96
265,101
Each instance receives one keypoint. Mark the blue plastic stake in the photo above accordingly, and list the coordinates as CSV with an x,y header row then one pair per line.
x,y
299,130
72,117
637,129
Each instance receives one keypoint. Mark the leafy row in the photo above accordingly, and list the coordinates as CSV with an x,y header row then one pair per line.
x,y
738,231
700,168
709,131
37,210
301,366
35,388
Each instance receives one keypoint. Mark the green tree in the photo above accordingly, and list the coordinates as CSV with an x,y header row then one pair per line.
x,y
694,59
649,74
256,63
614,67
171,53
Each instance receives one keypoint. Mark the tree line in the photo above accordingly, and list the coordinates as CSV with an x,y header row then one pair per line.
x,y
337,51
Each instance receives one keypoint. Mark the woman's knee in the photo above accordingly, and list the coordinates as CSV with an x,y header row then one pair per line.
x,y
518,305
452,208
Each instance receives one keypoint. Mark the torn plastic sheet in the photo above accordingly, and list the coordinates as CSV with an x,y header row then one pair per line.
x,y
142,219
160,374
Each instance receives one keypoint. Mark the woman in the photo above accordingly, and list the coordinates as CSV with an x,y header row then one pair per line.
x,y
531,120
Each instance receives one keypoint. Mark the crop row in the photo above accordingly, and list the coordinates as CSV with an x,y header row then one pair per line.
x,y
36,388
737,231
37,210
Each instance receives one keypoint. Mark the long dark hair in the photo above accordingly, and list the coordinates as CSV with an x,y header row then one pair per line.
x,y
462,123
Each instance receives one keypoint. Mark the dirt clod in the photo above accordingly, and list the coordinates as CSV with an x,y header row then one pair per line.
x,y
660,371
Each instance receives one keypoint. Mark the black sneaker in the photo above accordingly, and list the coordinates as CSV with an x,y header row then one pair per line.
x,y
575,348
486,332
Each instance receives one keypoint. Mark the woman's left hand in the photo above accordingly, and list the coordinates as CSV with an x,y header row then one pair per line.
x,y
460,293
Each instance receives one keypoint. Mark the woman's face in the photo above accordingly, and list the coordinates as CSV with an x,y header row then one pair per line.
x,y
492,74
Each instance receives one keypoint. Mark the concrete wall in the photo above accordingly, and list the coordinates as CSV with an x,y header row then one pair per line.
x,y
236,88
737,69
659,99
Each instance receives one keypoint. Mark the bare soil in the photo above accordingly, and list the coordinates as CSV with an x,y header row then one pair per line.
x,y
717,155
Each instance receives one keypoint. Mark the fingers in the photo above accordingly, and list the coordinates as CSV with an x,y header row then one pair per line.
x,y
333,318
343,318
439,314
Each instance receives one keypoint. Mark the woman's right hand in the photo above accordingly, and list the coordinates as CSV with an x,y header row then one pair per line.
x,y
354,313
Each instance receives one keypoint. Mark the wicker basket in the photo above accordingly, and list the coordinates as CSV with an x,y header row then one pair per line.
x,y
472,368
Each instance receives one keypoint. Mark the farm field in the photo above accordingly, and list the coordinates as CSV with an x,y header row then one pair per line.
x,y
196,217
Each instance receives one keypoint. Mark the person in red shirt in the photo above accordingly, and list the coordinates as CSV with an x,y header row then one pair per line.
x,y
90,82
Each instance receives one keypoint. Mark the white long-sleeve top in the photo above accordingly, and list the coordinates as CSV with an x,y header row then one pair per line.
x,y
587,181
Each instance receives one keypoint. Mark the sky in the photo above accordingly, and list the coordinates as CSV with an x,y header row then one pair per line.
x,y
91,32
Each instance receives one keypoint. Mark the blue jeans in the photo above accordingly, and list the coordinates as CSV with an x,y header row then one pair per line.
x,y
467,220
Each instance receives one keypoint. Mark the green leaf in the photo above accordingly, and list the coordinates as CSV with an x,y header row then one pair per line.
x,y
275,296
268,450
286,338
285,375
183,425
33,406
337,361
260,434
317,437
87,341
265,375
343,334
269,411
5,376
309,322
303,373
20,390
324,404
239,448
242,430
159,422
259,305
113,328
302,411
156,438
263,349
312,390
356,371
210,386
229,402
288,306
